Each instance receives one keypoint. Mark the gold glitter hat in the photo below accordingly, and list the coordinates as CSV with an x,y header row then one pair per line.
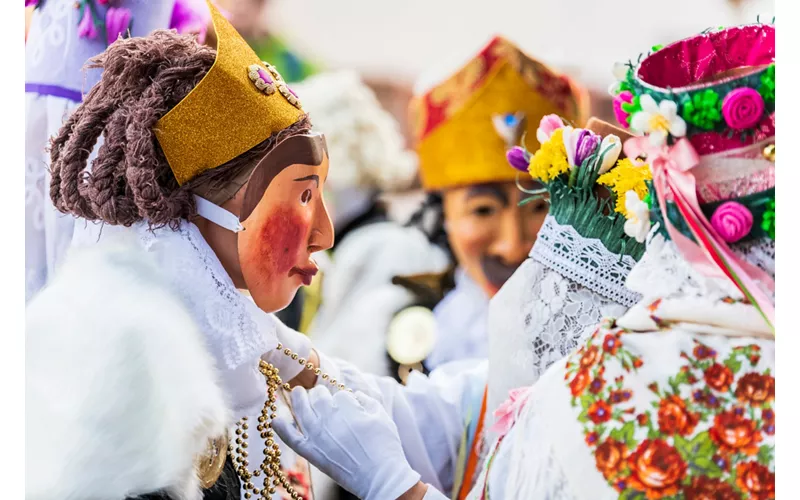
x,y
464,124
240,103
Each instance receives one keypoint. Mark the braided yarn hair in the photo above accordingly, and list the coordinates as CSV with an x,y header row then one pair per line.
x,y
130,180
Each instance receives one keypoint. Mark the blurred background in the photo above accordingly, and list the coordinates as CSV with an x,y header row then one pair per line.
x,y
392,43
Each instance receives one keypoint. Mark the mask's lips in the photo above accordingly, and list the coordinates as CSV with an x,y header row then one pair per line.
x,y
496,271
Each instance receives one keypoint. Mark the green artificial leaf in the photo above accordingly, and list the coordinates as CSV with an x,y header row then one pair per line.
x,y
705,466
766,455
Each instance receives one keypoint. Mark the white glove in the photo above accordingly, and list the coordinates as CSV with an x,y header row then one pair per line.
x,y
351,439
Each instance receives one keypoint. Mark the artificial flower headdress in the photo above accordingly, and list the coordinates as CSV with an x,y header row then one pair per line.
x,y
706,105
592,186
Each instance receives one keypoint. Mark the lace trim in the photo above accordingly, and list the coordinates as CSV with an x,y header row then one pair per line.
x,y
663,272
585,261
236,331
537,319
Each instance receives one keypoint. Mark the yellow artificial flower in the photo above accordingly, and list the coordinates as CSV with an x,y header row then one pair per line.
x,y
551,159
626,176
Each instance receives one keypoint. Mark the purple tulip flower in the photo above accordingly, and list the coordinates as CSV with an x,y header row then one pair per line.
x,y
518,158
118,20
86,28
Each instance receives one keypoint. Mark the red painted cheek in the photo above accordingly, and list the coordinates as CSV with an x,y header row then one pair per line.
x,y
280,239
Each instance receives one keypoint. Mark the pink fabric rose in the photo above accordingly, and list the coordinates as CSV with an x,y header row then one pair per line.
x,y
506,414
548,125
620,99
86,28
118,20
743,108
732,221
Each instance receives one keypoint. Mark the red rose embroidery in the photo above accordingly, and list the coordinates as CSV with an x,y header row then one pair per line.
x,y
702,352
599,412
674,418
617,397
590,357
642,419
580,382
611,344
609,458
734,433
597,385
656,469
704,488
718,377
756,389
756,480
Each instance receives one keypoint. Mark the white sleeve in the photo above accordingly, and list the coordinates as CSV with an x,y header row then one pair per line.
x,y
434,494
429,412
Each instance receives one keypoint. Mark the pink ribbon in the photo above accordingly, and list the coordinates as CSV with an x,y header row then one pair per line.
x,y
671,167
506,414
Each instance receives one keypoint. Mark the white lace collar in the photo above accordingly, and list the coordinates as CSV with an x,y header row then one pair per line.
x,y
585,261
237,332
681,294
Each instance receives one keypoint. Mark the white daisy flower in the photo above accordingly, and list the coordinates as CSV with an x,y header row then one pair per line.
x,y
658,120
638,214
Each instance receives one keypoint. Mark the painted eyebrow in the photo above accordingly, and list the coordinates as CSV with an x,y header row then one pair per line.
x,y
313,177
488,190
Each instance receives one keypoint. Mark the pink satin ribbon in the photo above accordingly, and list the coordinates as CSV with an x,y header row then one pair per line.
x,y
506,414
671,167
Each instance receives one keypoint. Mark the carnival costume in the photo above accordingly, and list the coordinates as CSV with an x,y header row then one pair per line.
x,y
463,123
246,345
675,398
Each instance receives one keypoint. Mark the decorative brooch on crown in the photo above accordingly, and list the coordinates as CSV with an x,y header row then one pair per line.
x,y
267,79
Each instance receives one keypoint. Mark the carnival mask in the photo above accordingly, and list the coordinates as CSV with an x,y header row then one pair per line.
x,y
489,232
283,220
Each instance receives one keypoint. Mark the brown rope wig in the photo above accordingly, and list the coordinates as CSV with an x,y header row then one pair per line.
x,y
130,180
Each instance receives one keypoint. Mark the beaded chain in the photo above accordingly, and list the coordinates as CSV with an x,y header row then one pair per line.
x,y
271,467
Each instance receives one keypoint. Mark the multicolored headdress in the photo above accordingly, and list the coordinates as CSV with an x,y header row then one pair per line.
x,y
240,103
464,125
707,106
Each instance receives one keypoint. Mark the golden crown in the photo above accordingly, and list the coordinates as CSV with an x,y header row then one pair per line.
x,y
464,125
240,103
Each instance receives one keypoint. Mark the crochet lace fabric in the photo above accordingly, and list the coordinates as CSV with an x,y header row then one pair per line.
x,y
584,261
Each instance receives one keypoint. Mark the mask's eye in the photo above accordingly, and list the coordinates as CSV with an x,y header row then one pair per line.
x,y
305,197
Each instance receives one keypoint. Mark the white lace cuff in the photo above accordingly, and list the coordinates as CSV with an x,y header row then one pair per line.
x,y
584,261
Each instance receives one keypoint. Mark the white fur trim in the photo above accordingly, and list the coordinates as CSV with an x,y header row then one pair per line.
x,y
121,393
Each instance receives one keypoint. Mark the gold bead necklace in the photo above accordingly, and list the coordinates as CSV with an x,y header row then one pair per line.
x,y
271,466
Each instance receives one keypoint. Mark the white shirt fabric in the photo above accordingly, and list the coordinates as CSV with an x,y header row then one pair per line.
x,y
461,323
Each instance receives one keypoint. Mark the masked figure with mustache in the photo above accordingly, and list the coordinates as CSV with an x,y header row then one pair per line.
x,y
465,120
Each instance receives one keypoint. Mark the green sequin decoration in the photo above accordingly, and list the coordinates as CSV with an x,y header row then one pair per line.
x,y
767,87
703,110
656,48
768,219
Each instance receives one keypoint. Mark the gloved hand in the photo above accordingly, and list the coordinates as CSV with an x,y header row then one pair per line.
x,y
351,439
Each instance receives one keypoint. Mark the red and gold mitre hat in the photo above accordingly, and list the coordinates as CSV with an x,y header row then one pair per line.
x,y
464,125
240,103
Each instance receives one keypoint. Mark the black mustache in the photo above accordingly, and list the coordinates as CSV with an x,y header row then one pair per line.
x,y
496,271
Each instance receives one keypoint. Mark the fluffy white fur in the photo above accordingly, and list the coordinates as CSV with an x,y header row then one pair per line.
x,y
121,394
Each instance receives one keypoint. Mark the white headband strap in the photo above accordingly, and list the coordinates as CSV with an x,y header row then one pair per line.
x,y
217,215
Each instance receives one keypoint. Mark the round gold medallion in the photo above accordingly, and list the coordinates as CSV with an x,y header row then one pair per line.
x,y
769,152
412,335
209,465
